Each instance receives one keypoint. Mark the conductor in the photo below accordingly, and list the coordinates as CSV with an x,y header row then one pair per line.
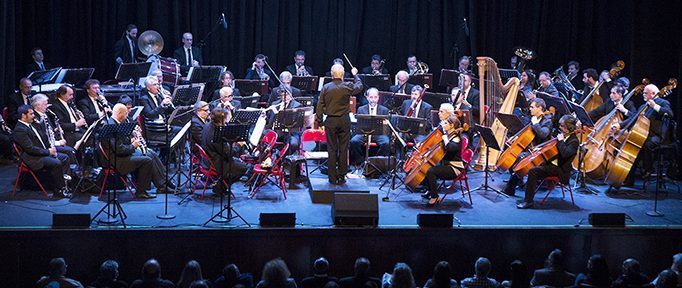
x,y
334,102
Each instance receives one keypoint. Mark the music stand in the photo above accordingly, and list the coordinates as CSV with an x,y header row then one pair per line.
x,y
247,101
435,99
289,119
381,82
584,118
243,116
511,122
133,71
305,83
505,74
398,166
448,78
421,79
105,133
490,142
74,76
248,87
84,139
405,125
392,100
45,76
371,125
305,100
228,134
187,95
560,105
204,74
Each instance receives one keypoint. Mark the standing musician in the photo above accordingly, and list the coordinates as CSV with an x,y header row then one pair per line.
x,y
657,110
334,102
626,109
226,80
125,49
156,107
357,152
285,77
451,165
131,155
573,69
49,128
95,106
227,100
401,86
470,95
188,55
257,71
38,63
376,66
37,153
561,167
299,68
71,119
21,97
541,124
230,167
199,119
411,64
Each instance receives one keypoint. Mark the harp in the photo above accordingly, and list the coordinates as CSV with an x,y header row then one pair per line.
x,y
495,97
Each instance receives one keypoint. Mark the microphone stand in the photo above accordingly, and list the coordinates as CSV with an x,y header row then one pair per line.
x,y
165,215
202,43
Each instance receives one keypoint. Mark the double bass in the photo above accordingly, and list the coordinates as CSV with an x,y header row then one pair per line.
x,y
429,152
630,142
594,164
591,102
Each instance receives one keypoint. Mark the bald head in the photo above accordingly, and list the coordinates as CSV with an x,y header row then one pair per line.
x,y
337,71
119,112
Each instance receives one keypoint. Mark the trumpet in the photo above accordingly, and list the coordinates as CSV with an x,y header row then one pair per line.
x,y
300,71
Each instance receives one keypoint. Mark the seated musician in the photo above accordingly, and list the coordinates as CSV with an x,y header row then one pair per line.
x,y
573,67
541,124
94,106
340,62
285,77
299,68
357,142
227,100
227,163
156,109
546,85
21,97
165,89
525,90
37,152
70,119
401,86
470,95
226,80
591,78
285,102
626,109
199,119
6,151
458,101
451,165
44,121
561,166
657,109
421,108
258,71
129,154
376,66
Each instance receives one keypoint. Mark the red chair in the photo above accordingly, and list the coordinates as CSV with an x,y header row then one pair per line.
x,y
24,169
110,170
467,156
270,138
5,114
551,182
210,172
310,139
276,171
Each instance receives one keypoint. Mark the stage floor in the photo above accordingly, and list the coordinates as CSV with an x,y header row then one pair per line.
x,y
31,209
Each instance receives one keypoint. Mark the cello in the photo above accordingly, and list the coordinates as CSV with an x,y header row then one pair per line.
x,y
429,153
632,142
594,164
591,102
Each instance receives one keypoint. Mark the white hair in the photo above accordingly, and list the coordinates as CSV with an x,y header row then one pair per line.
x,y
448,107
225,91
337,71
149,79
401,73
285,76
372,90
38,97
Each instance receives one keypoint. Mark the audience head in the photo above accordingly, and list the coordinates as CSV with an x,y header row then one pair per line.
x,y
441,274
57,267
151,270
199,284
519,274
631,266
482,267
109,270
275,273
190,273
677,262
321,266
402,276
331,284
666,279
555,258
598,270
361,267
231,272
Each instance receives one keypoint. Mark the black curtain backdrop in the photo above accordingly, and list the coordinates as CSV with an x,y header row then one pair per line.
x,y
81,33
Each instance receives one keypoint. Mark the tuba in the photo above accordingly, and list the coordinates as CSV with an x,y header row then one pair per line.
x,y
422,68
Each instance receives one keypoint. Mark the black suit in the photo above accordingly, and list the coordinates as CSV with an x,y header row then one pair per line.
x,y
88,108
180,54
253,75
42,127
195,130
607,107
216,93
567,151
274,95
151,113
222,156
71,132
368,70
129,159
33,66
13,102
473,97
292,69
122,50
577,81
334,101
357,152
658,131
424,110
317,281
407,89
36,154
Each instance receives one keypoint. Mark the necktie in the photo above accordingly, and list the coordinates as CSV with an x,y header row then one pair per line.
x,y
132,50
42,67
371,111
72,114
189,57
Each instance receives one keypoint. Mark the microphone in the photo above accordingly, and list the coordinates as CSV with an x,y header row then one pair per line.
x,y
223,20
466,27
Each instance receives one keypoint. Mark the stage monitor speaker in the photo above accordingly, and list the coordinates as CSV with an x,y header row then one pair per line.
x,y
353,209
277,219
70,221
435,220
607,219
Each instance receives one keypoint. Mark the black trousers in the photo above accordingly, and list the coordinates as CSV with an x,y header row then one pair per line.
x,y
6,145
357,148
536,174
57,167
443,172
338,136
72,137
141,164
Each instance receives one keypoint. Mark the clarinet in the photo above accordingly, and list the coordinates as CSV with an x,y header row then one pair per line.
x,y
50,134
137,134
4,126
79,114
58,129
